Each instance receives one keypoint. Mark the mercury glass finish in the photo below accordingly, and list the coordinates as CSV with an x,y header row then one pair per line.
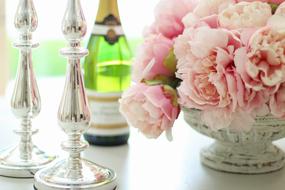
x,y
25,159
74,117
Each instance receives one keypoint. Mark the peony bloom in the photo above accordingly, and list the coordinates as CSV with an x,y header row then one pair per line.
x,y
191,45
168,17
151,59
277,102
181,46
151,109
209,80
209,7
250,104
245,15
262,64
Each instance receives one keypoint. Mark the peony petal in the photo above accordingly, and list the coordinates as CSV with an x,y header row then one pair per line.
x,y
232,89
207,8
281,8
213,37
211,21
251,69
242,121
168,16
223,58
167,109
147,70
270,55
244,15
154,94
190,20
276,23
246,35
241,61
168,133
153,111
273,79
217,119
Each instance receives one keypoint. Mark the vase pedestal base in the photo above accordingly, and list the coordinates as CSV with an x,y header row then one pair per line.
x,y
244,159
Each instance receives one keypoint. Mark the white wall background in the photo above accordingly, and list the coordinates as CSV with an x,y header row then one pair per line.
x,y
4,71
135,15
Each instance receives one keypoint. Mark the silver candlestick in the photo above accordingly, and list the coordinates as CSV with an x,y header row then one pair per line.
x,y
24,159
74,117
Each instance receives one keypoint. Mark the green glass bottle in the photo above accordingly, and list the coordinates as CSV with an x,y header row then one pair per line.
x,y
107,73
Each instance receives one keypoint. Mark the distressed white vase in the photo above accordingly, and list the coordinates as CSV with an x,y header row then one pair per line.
x,y
244,152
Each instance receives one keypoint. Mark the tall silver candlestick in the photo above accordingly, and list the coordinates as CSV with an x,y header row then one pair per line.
x,y
74,116
24,159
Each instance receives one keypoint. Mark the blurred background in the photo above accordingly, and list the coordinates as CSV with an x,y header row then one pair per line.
x,y
135,15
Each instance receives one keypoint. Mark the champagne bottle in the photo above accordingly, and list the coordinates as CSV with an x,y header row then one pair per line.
x,y
107,73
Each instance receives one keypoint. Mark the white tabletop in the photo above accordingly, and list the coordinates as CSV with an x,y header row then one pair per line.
x,y
143,164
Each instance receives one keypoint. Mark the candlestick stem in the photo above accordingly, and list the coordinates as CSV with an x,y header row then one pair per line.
x,y
25,159
74,118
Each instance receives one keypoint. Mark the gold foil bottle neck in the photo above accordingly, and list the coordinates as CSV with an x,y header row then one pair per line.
x,y
107,8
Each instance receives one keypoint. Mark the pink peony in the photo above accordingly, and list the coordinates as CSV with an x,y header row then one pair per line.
x,y
150,61
209,7
191,45
151,109
209,80
245,15
168,17
262,64
250,104
277,102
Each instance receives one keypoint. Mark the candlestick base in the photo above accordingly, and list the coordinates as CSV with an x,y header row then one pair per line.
x,y
90,176
12,165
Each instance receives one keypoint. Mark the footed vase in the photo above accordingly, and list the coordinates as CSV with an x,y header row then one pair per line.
x,y
242,152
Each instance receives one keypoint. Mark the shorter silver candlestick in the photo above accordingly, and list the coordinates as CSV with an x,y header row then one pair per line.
x,y
24,159
74,116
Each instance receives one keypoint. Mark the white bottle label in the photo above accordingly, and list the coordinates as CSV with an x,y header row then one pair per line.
x,y
99,29
106,118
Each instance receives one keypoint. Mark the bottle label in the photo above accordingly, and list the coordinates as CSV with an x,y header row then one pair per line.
x,y
105,30
106,117
110,28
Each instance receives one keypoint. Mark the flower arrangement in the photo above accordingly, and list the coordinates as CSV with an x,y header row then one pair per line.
x,y
223,57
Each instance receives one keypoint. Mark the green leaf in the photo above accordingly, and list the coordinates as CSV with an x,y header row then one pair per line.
x,y
273,7
153,82
164,80
170,61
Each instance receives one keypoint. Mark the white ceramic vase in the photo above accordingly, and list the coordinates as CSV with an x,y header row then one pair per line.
x,y
245,152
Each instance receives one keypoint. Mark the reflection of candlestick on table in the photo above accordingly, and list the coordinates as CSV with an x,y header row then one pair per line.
x,y
74,118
